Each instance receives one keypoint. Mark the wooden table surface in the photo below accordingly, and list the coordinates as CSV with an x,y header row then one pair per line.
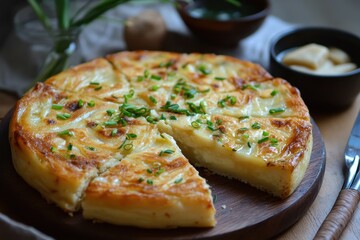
x,y
335,129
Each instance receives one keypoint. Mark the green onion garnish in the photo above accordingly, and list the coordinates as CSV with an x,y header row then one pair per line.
x,y
265,133
90,148
53,149
110,123
66,132
91,103
63,116
149,171
195,124
274,92
110,112
98,88
204,70
153,100
94,83
114,132
131,136
256,125
276,110
80,103
155,77
179,180
220,78
273,142
69,147
154,88
172,118
160,171
128,146
167,151
263,140
150,182
57,106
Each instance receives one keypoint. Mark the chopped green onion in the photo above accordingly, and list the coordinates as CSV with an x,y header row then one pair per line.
x,y
98,88
63,116
66,132
179,180
90,148
114,132
110,112
273,142
265,133
72,156
110,123
243,129
232,100
256,125
204,70
151,119
245,136
80,103
122,121
276,110
94,83
195,124
57,106
153,100
167,151
274,92
140,78
91,103
128,146
155,77
249,86
146,73
162,117
249,144
160,171
131,136
53,149
263,140
243,117
154,88
141,180
69,147
150,182
149,171
173,118
220,78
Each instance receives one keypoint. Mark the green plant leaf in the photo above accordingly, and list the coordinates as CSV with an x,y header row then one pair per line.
x,y
44,19
97,11
62,12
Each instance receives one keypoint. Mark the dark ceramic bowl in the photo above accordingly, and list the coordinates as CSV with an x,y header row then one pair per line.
x,y
320,92
225,30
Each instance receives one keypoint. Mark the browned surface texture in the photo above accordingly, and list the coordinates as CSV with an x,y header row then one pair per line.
x,y
340,215
242,211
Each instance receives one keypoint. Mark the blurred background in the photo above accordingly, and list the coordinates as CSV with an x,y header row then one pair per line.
x,y
334,13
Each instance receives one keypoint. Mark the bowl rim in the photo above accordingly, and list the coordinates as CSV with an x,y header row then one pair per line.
x,y
181,6
295,30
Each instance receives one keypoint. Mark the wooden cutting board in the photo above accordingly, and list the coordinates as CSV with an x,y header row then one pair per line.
x,y
243,212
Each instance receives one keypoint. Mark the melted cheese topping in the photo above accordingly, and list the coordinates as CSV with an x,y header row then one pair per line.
x,y
95,136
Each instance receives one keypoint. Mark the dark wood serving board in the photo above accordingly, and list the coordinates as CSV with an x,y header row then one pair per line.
x,y
242,211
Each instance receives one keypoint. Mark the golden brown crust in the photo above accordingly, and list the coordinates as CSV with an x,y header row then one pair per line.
x,y
103,135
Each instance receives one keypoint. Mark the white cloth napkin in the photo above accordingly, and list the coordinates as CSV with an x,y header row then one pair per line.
x,y
19,62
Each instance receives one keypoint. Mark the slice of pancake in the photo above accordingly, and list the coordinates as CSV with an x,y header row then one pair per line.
x,y
155,188
271,154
